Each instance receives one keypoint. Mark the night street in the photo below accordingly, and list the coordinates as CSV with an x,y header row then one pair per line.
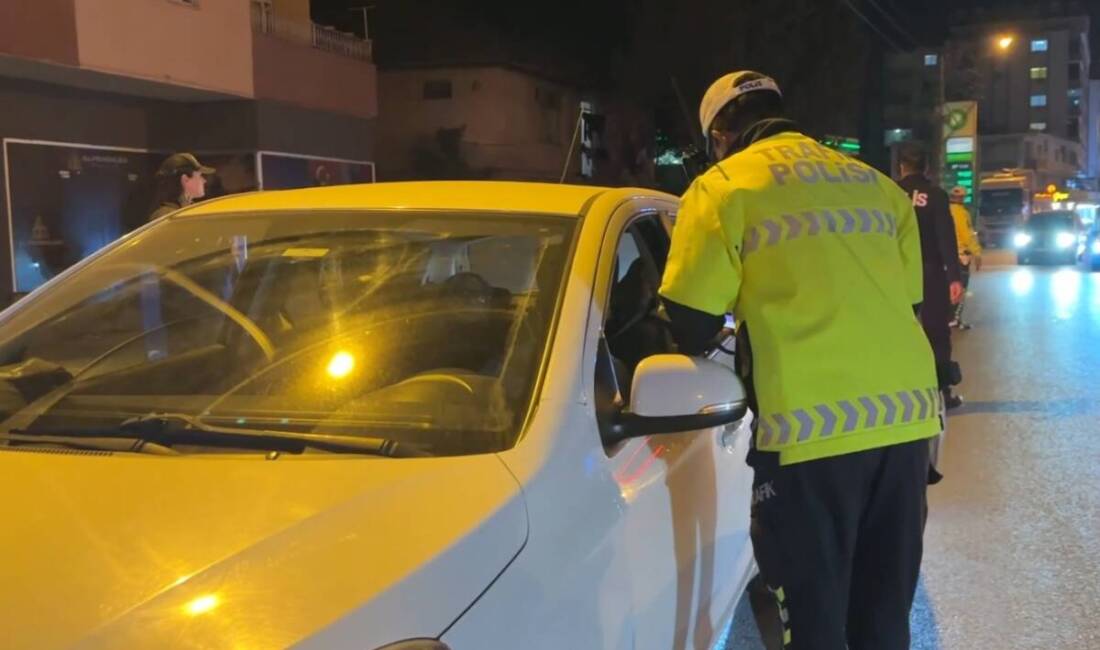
x,y
436,325
1014,528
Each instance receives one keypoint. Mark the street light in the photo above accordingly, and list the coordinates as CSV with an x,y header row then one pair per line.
x,y
1005,42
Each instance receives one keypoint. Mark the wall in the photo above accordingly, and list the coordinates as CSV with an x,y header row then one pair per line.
x,y
292,10
1046,154
507,134
289,72
39,29
208,47
291,129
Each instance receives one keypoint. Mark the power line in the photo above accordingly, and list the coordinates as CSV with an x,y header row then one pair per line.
x,y
873,26
890,19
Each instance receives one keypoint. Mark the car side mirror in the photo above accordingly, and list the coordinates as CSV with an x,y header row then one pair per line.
x,y
672,393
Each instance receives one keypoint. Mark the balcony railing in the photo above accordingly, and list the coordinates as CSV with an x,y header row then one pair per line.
x,y
264,21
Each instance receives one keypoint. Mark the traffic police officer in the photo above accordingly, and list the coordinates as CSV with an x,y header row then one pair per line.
x,y
970,248
818,257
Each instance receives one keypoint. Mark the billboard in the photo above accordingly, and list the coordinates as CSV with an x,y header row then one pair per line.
x,y
281,171
66,201
235,172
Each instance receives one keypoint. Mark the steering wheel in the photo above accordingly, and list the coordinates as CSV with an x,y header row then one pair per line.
x,y
470,285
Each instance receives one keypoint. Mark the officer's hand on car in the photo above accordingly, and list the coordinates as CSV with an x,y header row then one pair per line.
x,y
956,292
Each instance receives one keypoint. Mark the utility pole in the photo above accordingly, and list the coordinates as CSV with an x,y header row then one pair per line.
x,y
363,9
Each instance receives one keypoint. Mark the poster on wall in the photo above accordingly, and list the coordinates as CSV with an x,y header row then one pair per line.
x,y
234,172
279,171
66,201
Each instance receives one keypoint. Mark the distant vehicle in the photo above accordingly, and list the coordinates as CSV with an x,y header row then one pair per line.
x,y
1052,237
1004,204
356,416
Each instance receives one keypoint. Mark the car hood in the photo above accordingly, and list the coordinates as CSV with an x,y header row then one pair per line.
x,y
103,550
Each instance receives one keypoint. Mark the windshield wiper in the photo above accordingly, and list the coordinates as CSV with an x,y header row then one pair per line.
x,y
90,443
169,429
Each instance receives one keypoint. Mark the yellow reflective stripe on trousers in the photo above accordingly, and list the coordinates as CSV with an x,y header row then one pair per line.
x,y
847,415
773,231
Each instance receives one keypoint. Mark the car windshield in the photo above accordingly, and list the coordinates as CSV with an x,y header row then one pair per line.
x,y
428,328
1002,202
1051,221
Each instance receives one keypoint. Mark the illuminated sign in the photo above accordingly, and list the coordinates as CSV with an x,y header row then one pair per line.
x,y
1052,195
960,145
847,145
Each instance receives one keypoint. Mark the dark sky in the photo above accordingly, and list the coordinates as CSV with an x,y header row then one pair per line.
x,y
582,25
927,21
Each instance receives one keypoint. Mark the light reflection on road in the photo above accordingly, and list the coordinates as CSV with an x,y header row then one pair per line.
x,y
1022,282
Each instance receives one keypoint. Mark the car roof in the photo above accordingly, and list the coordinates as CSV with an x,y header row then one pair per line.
x,y
488,196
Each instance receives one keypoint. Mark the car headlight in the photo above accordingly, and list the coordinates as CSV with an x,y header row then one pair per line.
x,y
1021,239
1065,240
1096,247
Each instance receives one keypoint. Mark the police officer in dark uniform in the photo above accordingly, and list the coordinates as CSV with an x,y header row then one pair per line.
x,y
939,250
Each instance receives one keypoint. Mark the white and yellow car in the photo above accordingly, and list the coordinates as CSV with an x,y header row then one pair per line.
x,y
416,416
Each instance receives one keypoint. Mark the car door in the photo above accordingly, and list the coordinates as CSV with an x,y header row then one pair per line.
x,y
685,495
733,558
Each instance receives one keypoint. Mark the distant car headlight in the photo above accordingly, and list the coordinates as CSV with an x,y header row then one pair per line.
x,y
1065,240
1021,239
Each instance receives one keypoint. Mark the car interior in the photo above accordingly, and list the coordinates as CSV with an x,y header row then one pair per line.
x,y
634,327
449,332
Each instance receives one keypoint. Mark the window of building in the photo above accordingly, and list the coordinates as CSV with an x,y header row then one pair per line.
x,y
1075,72
1039,72
1037,126
931,59
1038,100
1075,48
438,89
1039,45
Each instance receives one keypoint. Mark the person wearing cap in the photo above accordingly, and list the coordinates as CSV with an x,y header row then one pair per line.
x,y
970,249
818,257
180,180
940,251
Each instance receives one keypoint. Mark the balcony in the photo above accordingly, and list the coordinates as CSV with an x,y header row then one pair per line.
x,y
328,39
310,66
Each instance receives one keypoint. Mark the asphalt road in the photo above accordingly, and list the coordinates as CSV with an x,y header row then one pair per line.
x,y
1012,548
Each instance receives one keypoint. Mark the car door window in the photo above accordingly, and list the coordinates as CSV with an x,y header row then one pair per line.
x,y
633,327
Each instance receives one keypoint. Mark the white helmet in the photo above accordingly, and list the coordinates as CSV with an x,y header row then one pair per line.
x,y
729,88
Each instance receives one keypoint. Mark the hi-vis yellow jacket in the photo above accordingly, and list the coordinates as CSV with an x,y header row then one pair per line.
x,y
819,255
964,231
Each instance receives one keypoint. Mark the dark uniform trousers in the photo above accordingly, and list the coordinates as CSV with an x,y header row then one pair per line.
x,y
839,538
935,315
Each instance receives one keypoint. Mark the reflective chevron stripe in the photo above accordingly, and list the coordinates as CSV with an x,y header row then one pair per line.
x,y
849,415
788,227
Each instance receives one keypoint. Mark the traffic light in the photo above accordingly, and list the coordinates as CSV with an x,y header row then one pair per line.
x,y
592,139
